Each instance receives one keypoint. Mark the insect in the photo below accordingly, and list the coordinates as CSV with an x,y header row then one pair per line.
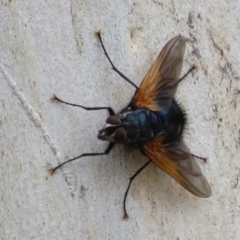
x,y
154,122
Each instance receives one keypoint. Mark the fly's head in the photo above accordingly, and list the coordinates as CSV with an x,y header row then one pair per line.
x,y
113,131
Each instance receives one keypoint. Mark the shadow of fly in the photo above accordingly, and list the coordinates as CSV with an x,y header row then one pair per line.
x,y
154,122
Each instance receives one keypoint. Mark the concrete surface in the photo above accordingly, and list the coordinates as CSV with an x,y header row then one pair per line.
x,y
49,47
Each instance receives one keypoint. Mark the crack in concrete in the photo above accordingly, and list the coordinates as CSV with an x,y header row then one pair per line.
x,y
216,46
29,109
73,25
37,121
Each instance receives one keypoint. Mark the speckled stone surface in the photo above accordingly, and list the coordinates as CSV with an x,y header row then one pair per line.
x,y
50,47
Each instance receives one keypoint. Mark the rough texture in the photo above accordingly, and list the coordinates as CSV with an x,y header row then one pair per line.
x,y
48,48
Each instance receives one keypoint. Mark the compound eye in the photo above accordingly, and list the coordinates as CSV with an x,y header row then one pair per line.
x,y
120,135
113,120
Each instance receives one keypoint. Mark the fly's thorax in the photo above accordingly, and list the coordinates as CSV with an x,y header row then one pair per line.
x,y
137,126
113,130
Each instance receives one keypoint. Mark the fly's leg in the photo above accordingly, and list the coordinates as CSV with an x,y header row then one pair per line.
x,y
110,110
201,158
174,84
125,216
113,67
185,75
109,148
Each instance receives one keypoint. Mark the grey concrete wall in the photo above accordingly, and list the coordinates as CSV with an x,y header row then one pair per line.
x,y
49,47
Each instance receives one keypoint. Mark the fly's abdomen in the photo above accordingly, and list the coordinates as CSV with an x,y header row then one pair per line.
x,y
137,125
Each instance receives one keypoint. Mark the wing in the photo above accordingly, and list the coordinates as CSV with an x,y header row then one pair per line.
x,y
176,160
160,83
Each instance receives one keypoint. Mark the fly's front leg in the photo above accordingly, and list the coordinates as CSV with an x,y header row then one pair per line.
x,y
110,110
109,148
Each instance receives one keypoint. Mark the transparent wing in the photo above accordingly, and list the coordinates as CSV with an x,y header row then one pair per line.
x,y
176,160
159,84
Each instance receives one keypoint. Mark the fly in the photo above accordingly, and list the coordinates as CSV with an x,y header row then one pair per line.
x,y
154,122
